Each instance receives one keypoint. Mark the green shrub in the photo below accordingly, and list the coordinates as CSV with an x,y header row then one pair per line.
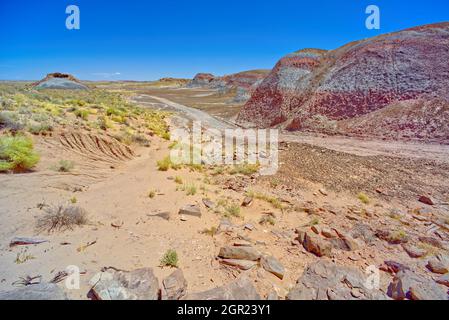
x,y
170,259
245,169
164,164
233,210
17,154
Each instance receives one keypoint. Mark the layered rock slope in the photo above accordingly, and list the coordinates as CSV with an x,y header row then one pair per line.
x,y
394,85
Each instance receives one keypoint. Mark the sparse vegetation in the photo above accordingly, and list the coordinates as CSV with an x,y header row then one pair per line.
x,y
267,219
275,202
245,169
363,198
151,194
64,166
60,218
23,257
178,180
170,259
73,200
17,153
232,210
210,232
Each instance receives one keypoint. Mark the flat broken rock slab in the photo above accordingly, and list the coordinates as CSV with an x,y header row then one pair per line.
x,y
42,291
325,280
240,289
409,285
139,284
238,263
190,210
272,265
239,253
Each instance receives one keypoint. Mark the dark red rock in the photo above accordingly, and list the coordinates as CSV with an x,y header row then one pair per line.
x,y
426,200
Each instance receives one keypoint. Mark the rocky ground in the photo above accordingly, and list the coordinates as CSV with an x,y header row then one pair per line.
x,y
319,229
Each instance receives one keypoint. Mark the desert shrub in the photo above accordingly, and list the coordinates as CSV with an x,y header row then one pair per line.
x,y
11,121
40,128
190,189
17,153
170,259
151,194
210,232
178,180
62,218
104,123
64,166
82,113
166,163
232,210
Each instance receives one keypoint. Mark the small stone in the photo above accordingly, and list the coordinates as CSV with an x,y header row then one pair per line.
x,y
413,252
117,224
248,201
323,191
242,243
241,264
426,200
444,280
20,241
174,287
249,226
208,203
272,265
164,215
243,253
190,210
183,218
316,229
41,291
272,296
432,241
328,233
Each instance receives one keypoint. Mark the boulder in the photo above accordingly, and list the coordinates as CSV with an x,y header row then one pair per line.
x,y
241,253
139,284
174,287
272,265
314,244
190,210
41,291
324,280
240,289
409,285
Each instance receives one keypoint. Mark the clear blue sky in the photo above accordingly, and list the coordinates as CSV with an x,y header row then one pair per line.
x,y
145,40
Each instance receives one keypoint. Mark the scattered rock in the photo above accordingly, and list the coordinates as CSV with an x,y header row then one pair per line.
x,y
439,264
243,253
344,242
271,264
414,252
117,224
20,241
272,296
41,291
323,191
190,210
324,280
241,243
225,226
163,215
432,241
240,289
140,284
174,287
393,267
249,226
248,201
208,203
328,233
392,237
409,285
241,264
426,200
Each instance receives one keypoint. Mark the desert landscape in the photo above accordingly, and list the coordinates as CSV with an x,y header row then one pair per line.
x,y
358,209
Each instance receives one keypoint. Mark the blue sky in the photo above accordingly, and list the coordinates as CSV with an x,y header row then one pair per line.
x,y
145,40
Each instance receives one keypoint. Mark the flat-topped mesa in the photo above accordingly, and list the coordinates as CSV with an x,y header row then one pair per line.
x,y
330,91
59,80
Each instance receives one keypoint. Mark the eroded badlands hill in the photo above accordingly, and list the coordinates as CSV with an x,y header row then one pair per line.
x,y
336,91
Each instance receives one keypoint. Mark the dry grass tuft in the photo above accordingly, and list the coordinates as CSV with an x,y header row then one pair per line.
x,y
60,218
